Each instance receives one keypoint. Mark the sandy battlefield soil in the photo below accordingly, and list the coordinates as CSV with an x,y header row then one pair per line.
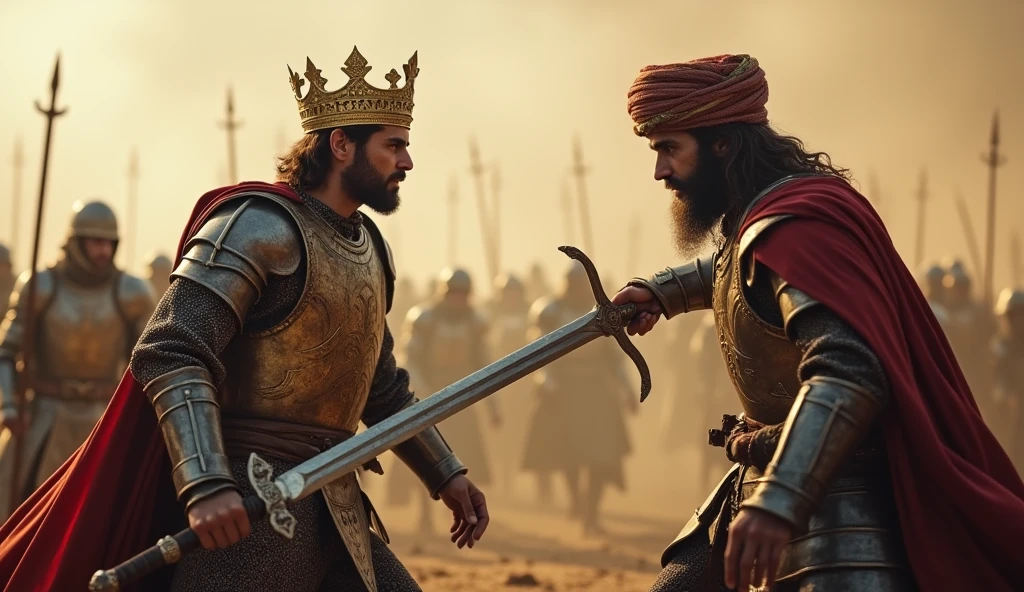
x,y
532,548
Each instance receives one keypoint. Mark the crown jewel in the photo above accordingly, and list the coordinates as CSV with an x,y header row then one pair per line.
x,y
358,102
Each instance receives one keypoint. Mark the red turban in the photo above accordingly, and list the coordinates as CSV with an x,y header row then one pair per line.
x,y
701,93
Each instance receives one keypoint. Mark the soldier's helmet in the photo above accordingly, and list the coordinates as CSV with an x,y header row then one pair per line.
x,y
453,279
159,265
1010,303
93,219
508,283
930,279
956,274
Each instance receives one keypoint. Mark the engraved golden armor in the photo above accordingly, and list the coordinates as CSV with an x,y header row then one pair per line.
x,y
828,476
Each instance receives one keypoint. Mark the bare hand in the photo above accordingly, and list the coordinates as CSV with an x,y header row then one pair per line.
x,y
9,419
219,520
648,311
469,509
756,540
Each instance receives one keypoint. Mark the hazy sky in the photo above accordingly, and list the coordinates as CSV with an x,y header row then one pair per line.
x,y
885,87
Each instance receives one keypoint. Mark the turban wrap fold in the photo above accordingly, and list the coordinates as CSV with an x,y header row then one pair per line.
x,y
700,93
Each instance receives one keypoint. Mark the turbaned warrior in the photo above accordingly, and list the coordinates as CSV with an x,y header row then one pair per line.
x,y
88,315
271,339
862,462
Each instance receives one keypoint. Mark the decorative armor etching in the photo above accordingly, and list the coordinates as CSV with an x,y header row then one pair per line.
x,y
681,289
187,413
430,458
332,337
239,247
345,504
761,361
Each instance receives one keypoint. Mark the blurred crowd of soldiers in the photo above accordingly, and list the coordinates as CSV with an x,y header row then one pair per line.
x,y
567,423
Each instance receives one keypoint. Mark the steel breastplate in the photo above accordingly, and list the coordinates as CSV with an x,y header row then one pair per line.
x,y
83,336
762,362
316,366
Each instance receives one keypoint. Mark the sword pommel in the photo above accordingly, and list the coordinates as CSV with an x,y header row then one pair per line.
x,y
612,319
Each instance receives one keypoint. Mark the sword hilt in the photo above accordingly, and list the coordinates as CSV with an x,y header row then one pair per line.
x,y
612,319
167,551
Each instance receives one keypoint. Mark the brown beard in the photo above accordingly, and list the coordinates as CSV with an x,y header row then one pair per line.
x,y
692,235
363,181
699,203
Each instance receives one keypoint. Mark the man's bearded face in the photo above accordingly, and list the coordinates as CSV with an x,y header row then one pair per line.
x,y
365,182
693,173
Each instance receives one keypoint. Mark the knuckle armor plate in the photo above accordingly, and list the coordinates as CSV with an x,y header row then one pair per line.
x,y
189,418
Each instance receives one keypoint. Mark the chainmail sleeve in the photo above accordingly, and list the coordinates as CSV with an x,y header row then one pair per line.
x,y
833,349
190,327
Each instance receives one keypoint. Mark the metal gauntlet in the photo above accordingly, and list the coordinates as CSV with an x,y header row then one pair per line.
x,y
826,423
189,416
680,289
431,459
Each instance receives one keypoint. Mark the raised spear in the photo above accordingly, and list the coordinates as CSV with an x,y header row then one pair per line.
x,y
19,165
922,205
28,340
486,232
969,236
231,124
579,170
994,160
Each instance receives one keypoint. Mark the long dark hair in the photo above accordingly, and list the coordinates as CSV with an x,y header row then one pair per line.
x,y
308,161
758,156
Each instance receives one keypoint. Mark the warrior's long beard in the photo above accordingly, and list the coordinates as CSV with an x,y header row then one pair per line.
x,y
698,208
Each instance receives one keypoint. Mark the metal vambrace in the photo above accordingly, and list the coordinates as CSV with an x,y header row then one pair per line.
x,y
430,458
828,419
680,289
189,417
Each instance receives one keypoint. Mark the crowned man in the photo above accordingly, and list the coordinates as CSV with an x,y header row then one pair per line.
x,y
862,462
87,316
272,340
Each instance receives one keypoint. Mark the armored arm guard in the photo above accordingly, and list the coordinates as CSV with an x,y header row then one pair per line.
x,y
239,247
12,332
828,420
680,289
430,458
189,417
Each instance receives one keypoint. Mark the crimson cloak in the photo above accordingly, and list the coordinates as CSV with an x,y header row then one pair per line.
x,y
960,500
105,503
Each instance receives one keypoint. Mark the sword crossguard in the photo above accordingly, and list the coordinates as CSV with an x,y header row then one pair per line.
x,y
612,319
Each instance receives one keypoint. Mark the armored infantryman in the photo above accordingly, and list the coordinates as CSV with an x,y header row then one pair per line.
x,y
862,462
271,339
577,429
1008,354
930,279
970,328
159,268
6,277
88,316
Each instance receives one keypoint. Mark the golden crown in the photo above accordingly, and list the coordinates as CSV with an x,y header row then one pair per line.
x,y
358,102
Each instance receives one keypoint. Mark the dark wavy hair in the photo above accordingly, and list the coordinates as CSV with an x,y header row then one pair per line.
x,y
758,156
308,161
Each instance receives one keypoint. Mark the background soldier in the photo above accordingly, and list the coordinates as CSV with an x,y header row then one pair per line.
x,y
578,428
969,328
6,277
158,273
445,341
1008,391
89,315
931,279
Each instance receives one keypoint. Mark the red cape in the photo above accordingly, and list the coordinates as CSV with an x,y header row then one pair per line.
x,y
960,500
98,509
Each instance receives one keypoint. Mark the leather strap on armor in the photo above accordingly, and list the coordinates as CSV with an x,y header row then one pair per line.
x,y
827,421
430,458
681,289
189,417
239,247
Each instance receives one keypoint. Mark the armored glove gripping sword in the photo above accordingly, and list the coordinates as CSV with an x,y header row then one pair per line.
x,y
274,495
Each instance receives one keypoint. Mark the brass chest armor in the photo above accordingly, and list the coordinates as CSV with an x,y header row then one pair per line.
x,y
761,361
316,366
83,335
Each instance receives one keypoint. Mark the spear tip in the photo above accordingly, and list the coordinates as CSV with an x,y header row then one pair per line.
x,y
56,74
995,127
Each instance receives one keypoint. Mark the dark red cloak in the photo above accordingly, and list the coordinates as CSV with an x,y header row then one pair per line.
x,y
960,500
101,507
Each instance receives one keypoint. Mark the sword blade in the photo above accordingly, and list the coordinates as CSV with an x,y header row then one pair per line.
x,y
345,457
